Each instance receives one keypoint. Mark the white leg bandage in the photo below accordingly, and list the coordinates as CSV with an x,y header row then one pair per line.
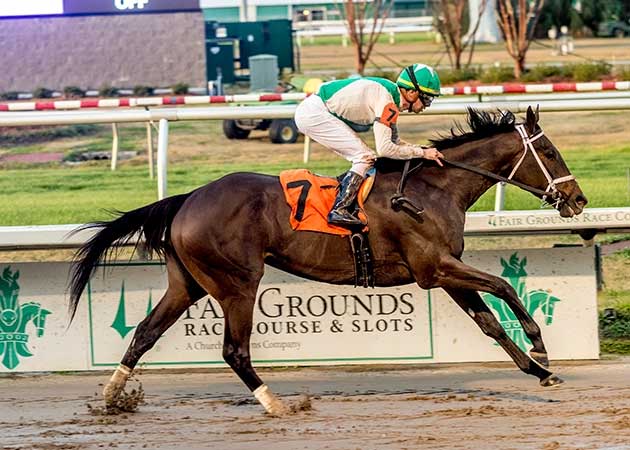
x,y
116,383
270,402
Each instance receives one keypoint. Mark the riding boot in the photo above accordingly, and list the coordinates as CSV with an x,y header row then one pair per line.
x,y
340,213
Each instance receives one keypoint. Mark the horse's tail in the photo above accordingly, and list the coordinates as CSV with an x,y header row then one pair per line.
x,y
152,222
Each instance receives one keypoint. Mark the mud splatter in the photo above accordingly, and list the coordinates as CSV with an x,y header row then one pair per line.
x,y
127,402
302,404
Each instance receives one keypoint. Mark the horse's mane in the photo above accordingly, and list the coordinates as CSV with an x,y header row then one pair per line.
x,y
481,125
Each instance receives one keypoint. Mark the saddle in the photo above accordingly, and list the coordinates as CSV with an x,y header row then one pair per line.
x,y
311,197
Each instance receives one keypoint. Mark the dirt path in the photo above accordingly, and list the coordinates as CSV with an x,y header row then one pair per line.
x,y
456,407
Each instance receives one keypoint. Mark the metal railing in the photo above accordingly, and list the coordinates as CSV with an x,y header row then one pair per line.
x,y
165,115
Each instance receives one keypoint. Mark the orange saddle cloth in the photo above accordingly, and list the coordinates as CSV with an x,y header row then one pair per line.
x,y
311,197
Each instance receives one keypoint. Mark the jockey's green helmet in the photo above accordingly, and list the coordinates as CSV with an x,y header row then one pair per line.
x,y
420,77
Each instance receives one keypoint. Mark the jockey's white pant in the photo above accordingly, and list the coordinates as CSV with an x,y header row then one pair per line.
x,y
313,119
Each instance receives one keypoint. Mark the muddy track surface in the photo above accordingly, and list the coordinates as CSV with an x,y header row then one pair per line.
x,y
454,407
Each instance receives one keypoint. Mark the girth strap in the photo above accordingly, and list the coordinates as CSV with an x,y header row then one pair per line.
x,y
363,263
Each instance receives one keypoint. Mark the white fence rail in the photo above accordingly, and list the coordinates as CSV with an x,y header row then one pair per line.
x,y
592,220
164,115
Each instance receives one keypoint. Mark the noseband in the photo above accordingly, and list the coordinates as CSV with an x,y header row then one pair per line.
x,y
552,190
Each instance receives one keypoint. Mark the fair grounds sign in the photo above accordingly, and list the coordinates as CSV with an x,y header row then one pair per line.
x,y
297,322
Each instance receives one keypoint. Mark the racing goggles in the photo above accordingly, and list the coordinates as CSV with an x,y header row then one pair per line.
x,y
425,98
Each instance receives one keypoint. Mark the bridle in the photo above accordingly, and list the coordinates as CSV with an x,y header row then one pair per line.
x,y
399,201
552,190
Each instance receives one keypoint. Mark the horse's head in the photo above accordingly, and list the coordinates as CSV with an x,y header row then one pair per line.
x,y
540,165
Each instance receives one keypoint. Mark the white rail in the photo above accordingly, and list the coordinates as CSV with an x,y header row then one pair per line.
x,y
604,220
164,115
284,111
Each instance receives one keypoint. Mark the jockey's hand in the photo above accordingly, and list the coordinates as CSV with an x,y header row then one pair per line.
x,y
433,154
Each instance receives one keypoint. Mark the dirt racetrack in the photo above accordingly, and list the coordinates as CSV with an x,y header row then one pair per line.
x,y
478,406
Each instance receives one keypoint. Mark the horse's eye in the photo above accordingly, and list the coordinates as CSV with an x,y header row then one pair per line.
x,y
549,153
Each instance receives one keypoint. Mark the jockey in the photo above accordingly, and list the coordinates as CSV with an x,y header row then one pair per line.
x,y
341,108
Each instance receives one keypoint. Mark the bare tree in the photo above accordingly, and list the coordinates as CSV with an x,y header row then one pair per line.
x,y
364,21
450,24
517,19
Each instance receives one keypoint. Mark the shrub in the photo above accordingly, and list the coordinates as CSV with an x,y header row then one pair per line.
x,y
73,92
589,71
11,95
450,76
615,322
499,74
180,89
42,92
618,346
108,91
543,72
623,73
31,135
142,91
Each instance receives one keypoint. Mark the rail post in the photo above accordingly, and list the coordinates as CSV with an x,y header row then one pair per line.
x,y
114,145
162,159
150,149
499,197
307,149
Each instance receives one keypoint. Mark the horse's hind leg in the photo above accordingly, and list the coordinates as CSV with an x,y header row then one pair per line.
x,y
471,302
238,312
182,292
237,296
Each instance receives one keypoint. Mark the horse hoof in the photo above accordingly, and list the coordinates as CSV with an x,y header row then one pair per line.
x,y
272,404
551,380
540,358
116,384
111,393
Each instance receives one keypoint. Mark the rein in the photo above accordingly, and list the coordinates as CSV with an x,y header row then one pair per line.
x,y
551,191
494,176
399,201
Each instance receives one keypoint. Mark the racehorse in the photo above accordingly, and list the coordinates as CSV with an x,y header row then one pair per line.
x,y
217,239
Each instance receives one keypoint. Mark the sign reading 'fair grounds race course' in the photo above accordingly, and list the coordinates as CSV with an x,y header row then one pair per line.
x,y
296,322
545,220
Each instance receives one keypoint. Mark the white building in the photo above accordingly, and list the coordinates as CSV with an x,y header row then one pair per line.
x,y
297,10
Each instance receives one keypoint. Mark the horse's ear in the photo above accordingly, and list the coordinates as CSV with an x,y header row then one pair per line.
x,y
531,120
537,112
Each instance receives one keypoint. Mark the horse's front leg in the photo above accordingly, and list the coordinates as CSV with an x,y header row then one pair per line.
x,y
455,274
472,303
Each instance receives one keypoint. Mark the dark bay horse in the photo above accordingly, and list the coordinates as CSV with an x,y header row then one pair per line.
x,y
217,239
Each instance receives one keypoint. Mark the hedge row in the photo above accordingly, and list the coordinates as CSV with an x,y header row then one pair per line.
x,y
614,323
540,73
35,134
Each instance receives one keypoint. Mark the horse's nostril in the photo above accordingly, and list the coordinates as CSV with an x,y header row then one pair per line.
x,y
581,200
